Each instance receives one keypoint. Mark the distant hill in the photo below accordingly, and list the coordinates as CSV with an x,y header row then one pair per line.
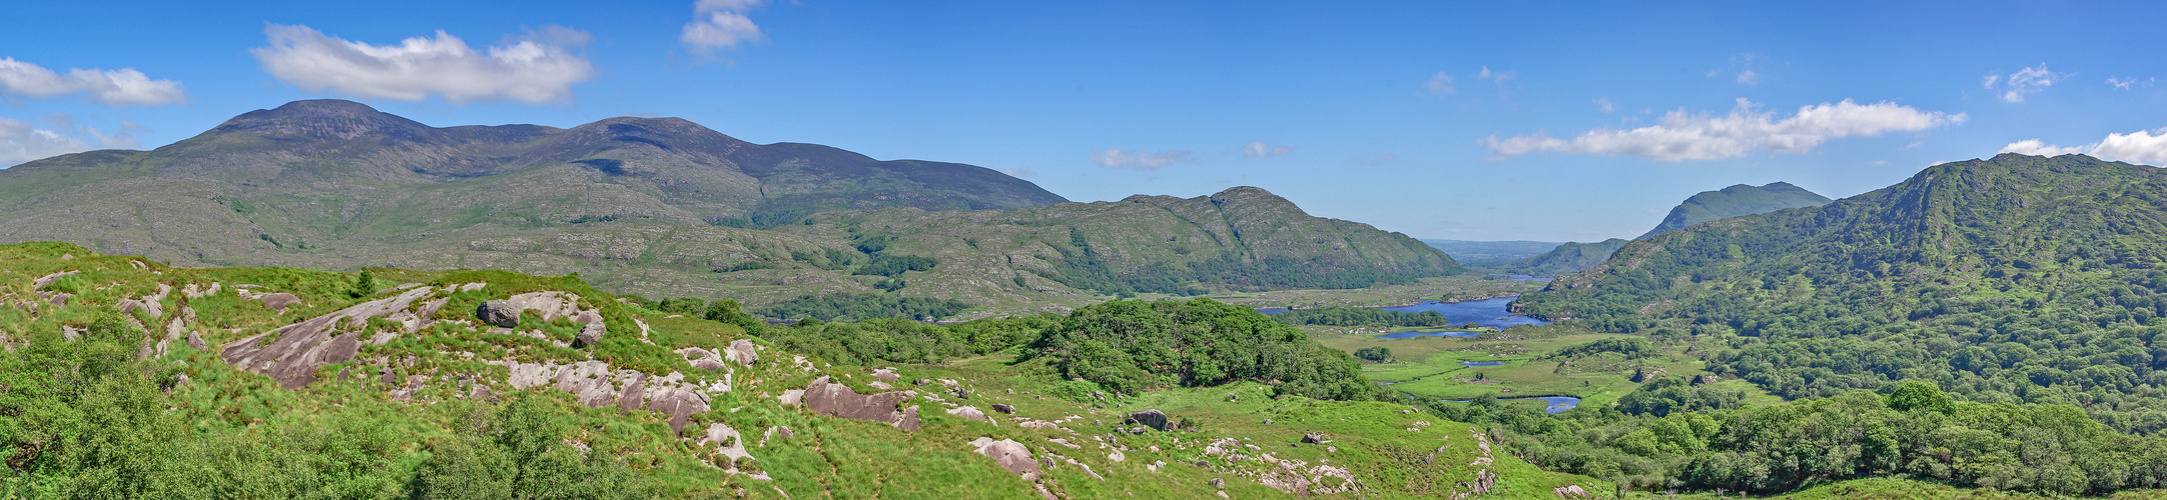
x,y
663,207
1567,258
1490,253
1735,201
2018,278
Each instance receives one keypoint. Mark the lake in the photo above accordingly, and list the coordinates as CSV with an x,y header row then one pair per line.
x,y
1409,335
1482,363
1489,312
1556,403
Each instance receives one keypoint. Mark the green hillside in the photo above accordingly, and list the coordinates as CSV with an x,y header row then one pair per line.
x,y
125,378
2015,279
1735,201
665,208
1567,258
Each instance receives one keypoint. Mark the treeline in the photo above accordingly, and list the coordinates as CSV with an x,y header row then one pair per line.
x,y
1664,436
1359,316
865,306
1125,346
86,419
1084,269
1133,345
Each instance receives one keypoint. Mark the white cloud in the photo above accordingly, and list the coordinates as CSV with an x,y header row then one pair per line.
x,y
530,71
1604,104
2127,83
720,24
118,87
1749,78
1140,160
2024,82
21,142
1703,136
1020,173
1259,149
1440,84
2144,146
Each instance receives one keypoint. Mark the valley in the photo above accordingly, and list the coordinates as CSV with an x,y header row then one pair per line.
x,y
645,308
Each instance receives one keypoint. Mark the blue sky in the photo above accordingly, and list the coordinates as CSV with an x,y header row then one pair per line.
x,y
1479,121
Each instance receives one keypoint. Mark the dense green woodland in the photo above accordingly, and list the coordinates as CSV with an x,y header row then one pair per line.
x,y
2030,290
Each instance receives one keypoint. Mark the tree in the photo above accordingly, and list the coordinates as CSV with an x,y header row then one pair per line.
x,y
1373,354
364,285
1920,394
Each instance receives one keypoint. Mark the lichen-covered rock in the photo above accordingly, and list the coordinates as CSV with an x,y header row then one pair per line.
x,y
1009,454
742,352
597,384
589,335
1151,418
299,348
838,400
1004,408
972,413
701,358
1571,491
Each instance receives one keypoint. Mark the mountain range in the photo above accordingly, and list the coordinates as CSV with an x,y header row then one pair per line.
x,y
664,207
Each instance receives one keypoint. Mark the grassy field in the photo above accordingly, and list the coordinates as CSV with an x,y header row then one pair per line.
x,y
1430,367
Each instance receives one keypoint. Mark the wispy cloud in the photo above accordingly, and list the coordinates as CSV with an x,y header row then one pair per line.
x,y
2144,146
1603,103
1140,160
1749,78
720,24
2023,82
1259,149
21,141
1440,84
1704,136
117,87
531,70
2126,83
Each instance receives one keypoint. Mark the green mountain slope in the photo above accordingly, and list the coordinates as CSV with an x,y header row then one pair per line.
x,y
1735,201
666,208
1568,258
2018,278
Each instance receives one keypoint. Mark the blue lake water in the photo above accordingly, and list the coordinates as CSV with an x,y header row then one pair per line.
x,y
1482,363
1520,277
1555,403
1409,335
1490,313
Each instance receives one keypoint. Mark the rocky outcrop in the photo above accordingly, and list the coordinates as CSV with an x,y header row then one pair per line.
x,y
1571,491
742,352
589,335
701,358
551,305
292,353
838,400
1151,418
971,412
1004,408
729,452
1009,454
597,384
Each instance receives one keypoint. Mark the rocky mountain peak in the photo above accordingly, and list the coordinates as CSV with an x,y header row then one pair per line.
x,y
325,119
